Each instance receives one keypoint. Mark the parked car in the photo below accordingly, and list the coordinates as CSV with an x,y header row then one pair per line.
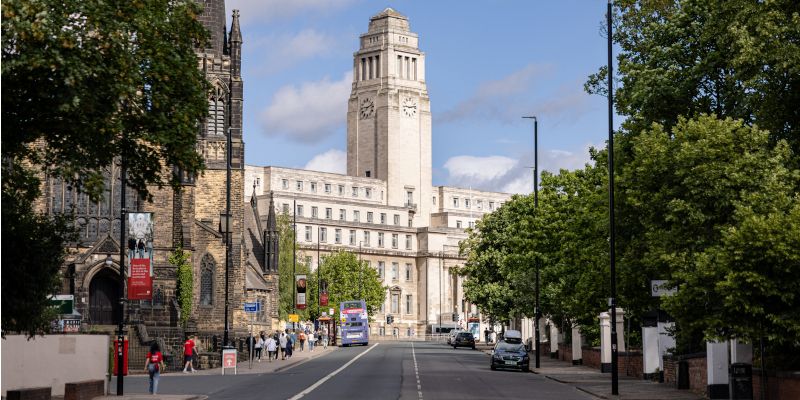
x,y
464,339
510,355
452,335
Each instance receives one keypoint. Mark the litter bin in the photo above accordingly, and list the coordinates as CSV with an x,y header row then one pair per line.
x,y
683,375
741,381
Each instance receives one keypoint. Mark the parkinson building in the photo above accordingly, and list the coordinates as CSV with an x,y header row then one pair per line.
x,y
385,208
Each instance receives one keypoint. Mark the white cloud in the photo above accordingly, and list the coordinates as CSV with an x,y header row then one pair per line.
x,y
260,11
509,175
309,112
333,160
282,51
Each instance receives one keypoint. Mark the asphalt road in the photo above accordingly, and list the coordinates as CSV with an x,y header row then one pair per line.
x,y
388,370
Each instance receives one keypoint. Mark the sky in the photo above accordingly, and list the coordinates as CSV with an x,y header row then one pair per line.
x,y
489,63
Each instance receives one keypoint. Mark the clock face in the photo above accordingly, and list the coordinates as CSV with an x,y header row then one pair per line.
x,y
409,107
367,108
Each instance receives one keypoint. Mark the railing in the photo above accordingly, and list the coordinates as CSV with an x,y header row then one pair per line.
x,y
411,206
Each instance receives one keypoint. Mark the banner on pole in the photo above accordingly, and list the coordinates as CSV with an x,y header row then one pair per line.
x,y
323,292
140,237
140,282
300,281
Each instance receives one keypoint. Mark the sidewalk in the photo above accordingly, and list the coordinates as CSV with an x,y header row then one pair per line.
x,y
598,384
242,368
265,366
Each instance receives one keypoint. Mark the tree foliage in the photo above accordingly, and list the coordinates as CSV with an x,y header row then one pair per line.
x,y
84,82
185,285
347,279
288,266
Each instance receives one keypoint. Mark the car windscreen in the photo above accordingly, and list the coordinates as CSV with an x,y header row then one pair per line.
x,y
511,347
465,335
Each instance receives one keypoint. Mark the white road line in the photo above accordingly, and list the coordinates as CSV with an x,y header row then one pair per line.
x,y
416,371
331,375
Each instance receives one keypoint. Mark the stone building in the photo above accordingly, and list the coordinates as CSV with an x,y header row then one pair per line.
x,y
189,218
385,208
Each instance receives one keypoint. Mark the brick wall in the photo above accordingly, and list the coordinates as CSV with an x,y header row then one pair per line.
x,y
780,386
591,356
85,390
698,373
42,393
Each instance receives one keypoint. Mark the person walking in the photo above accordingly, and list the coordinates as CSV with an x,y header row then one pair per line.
x,y
283,340
302,338
289,346
153,366
259,347
272,348
312,338
188,355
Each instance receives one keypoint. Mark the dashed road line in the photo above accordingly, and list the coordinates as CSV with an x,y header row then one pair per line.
x,y
332,374
416,371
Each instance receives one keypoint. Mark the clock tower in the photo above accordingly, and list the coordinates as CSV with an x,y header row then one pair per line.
x,y
388,115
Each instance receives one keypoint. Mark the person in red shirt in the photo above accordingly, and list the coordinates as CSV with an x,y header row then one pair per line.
x,y
188,354
154,365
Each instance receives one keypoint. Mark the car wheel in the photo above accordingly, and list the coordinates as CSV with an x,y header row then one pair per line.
x,y
454,347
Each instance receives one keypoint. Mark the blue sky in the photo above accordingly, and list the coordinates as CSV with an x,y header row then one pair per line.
x,y
488,64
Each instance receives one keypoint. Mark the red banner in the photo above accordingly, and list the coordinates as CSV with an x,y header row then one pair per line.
x,y
140,284
323,299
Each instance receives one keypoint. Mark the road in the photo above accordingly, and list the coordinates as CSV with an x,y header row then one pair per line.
x,y
388,370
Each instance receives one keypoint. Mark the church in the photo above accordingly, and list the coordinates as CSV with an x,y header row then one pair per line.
x,y
385,208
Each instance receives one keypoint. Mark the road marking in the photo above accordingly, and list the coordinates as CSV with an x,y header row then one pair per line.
x,y
331,375
416,371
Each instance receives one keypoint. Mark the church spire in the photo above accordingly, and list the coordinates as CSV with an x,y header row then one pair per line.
x,y
272,239
235,46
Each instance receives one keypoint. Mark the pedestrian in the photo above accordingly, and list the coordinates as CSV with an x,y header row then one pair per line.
x,y
153,366
289,345
324,338
188,354
302,338
283,340
293,336
272,348
259,346
311,340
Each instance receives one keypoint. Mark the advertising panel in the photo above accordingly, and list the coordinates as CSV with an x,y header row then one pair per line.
x,y
140,283
300,282
140,236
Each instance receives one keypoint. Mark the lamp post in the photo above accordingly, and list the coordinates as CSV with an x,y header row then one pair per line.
x,y
123,172
294,258
359,270
537,312
227,228
319,294
613,300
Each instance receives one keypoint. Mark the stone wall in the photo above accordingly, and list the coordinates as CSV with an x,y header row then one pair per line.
x,y
698,372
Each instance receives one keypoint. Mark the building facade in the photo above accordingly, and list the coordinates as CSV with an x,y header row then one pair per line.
x,y
385,208
190,218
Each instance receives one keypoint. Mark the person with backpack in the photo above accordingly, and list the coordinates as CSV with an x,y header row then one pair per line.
x,y
289,346
154,365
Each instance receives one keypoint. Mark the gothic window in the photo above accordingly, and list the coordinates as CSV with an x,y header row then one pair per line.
x,y
207,266
215,124
158,297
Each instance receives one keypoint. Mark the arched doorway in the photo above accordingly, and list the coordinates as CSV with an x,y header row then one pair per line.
x,y
104,298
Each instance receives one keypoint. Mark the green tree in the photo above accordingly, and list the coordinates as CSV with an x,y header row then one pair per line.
x,y
732,58
287,268
84,82
702,191
348,279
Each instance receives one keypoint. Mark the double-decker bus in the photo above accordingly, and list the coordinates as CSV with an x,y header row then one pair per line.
x,y
354,322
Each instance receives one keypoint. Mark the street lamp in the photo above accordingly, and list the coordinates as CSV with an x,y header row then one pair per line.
x,y
537,312
359,270
294,257
613,300
123,176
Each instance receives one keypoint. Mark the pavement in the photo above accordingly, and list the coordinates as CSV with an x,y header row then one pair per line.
x,y
592,381
242,368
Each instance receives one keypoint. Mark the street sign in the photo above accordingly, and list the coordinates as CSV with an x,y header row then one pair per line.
x,y
294,317
252,307
330,311
660,288
64,303
229,360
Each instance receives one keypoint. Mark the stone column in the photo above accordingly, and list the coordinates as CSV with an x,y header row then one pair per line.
x,y
717,369
577,354
605,338
554,339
